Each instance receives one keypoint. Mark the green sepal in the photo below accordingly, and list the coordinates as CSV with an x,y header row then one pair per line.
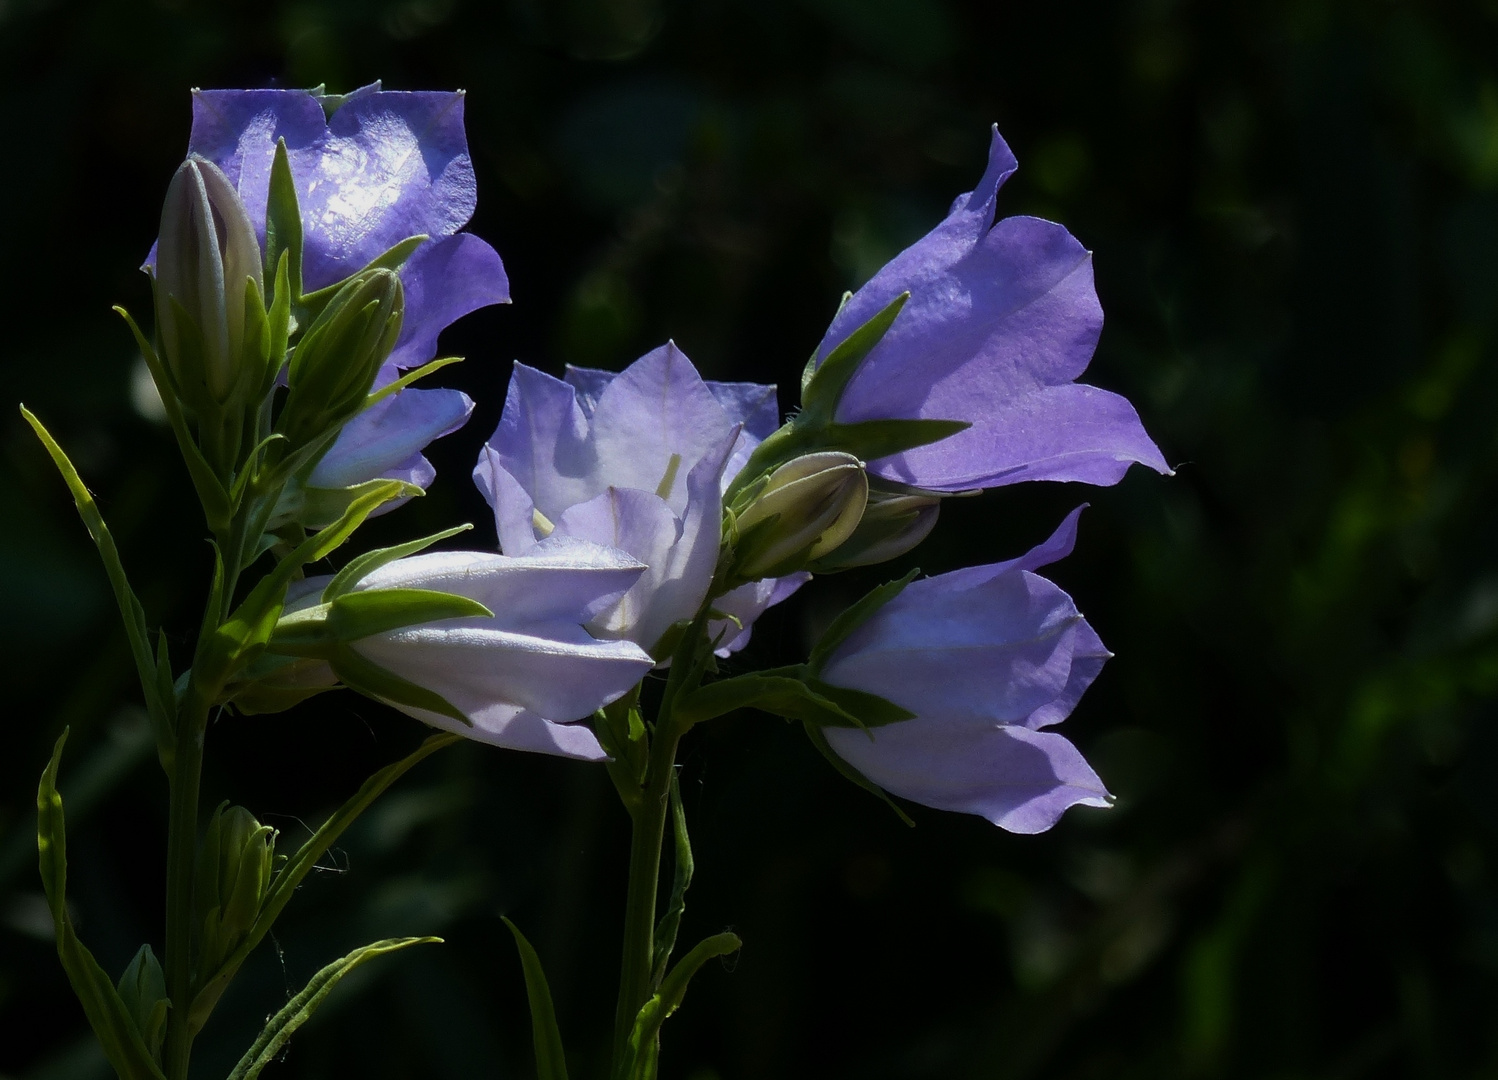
x,y
217,509
875,439
851,618
551,1062
283,221
361,566
320,507
313,631
142,989
848,772
112,1021
131,612
410,377
821,392
296,868
681,881
368,678
260,689
279,318
247,630
279,1029
311,305
866,710
786,695
639,1064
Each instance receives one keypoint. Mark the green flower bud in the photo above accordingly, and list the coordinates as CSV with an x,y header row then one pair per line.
x,y
142,990
806,509
207,259
892,524
234,871
337,359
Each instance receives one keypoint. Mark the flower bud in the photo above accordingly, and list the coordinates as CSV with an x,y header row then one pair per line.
x,y
233,874
206,258
336,361
892,524
808,507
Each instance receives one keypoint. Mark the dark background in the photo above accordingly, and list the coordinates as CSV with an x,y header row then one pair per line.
x,y
1294,208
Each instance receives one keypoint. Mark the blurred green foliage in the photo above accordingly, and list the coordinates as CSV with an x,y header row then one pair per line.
x,y
1294,205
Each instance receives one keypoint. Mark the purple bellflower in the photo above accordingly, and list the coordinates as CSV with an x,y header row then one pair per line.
x,y
522,674
1001,320
986,657
637,461
384,167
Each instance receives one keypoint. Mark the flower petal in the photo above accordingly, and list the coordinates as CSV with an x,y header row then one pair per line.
x,y
746,604
444,280
543,442
1020,780
388,434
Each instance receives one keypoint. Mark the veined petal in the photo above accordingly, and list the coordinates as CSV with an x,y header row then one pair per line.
x,y
1021,780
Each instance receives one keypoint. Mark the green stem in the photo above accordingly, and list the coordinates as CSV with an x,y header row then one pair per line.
x,y
181,875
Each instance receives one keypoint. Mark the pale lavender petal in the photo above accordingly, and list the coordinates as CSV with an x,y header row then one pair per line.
x,y
641,524
590,384
1001,319
1055,548
746,604
692,562
444,280
752,404
514,512
656,409
543,442
1020,780
388,434
515,728
1087,660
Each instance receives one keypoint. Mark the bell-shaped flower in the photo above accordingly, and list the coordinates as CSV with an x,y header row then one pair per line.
x,y
985,657
1001,320
637,461
519,676
383,167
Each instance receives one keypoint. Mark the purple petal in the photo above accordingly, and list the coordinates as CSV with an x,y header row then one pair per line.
x,y
514,512
516,728
590,384
752,404
641,524
388,434
444,280
746,604
1001,319
543,442
1020,780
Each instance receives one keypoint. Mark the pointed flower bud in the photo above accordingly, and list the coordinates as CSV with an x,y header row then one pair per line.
x,y
234,873
336,361
892,523
806,510
206,260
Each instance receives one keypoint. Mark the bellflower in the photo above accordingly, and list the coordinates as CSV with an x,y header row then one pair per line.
x,y
522,674
1001,321
385,166
636,461
985,657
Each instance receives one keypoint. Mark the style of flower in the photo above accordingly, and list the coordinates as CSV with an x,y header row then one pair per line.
x,y
1000,322
383,167
520,675
637,461
985,657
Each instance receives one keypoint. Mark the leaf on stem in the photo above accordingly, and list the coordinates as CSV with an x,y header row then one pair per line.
x,y
551,1062
107,1014
666,929
361,566
300,1008
642,1040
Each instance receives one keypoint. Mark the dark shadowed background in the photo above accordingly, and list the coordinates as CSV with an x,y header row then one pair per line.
x,y
1294,209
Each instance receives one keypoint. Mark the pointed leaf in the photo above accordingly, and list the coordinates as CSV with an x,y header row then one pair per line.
x,y
291,875
370,679
852,618
666,929
283,221
131,612
848,772
359,614
312,304
643,1039
299,1010
551,1062
781,695
874,439
410,377
821,393
111,1021
361,566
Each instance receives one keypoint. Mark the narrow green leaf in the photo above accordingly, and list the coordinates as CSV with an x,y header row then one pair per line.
x,y
107,1014
362,566
410,377
852,618
848,772
867,710
821,393
874,439
292,873
551,1062
211,493
782,695
283,221
666,929
368,678
643,1039
131,612
299,1010
312,304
